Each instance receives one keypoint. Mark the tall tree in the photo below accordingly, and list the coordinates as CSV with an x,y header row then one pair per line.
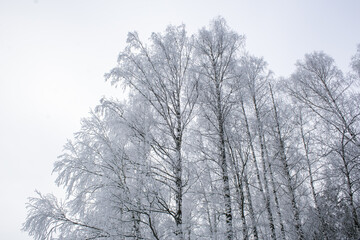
x,y
203,147
321,86
286,168
255,77
101,181
162,74
307,127
217,49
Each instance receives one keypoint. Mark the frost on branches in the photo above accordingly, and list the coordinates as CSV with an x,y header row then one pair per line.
x,y
210,145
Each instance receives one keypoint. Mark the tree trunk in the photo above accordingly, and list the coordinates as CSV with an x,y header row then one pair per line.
x,y
238,180
266,193
251,208
178,170
285,165
311,179
278,210
224,166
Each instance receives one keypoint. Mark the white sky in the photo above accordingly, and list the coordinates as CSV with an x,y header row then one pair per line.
x,y
53,54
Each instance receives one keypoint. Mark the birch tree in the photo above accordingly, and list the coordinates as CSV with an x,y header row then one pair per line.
x,y
255,77
162,74
321,86
204,147
289,180
217,49
101,182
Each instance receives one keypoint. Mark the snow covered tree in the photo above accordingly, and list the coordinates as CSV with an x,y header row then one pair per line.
x,y
217,52
255,77
322,88
101,179
162,74
209,145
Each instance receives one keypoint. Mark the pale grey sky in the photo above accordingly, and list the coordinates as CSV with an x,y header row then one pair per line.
x,y
53,54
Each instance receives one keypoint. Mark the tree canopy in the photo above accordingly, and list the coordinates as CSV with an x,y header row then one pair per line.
x,y
209,144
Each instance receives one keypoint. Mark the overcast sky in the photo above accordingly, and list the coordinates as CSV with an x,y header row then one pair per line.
x,y
54,53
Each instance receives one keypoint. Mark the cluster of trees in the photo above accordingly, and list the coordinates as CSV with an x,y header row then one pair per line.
x,y
210,145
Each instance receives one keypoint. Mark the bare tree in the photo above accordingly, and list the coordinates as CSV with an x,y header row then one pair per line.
x,y
289,182
217,50
321,87
313,163
255,76
203,148
162,74
100,181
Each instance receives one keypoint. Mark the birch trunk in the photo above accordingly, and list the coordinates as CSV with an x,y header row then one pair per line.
x,y
288,180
